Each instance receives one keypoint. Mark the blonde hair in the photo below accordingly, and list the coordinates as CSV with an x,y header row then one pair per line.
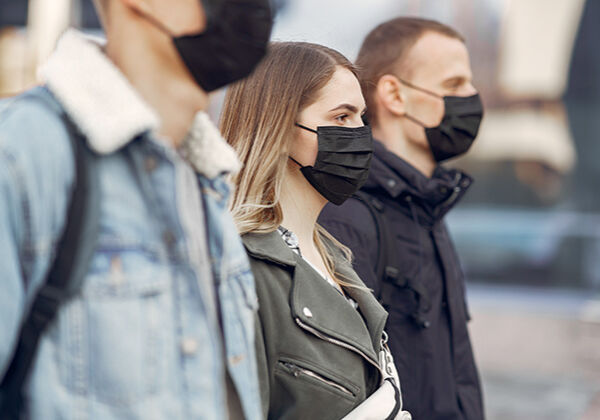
x,y
257,120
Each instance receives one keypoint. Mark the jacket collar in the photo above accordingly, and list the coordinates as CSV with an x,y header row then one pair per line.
x,y
399,179
109,111
269,246
318,305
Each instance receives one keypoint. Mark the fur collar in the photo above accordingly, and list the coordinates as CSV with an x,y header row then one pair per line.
x,y
109,111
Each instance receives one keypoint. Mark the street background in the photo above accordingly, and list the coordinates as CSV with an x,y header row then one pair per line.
x,y
528,232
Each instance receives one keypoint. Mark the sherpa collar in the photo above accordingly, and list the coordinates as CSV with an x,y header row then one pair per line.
x,y
110,112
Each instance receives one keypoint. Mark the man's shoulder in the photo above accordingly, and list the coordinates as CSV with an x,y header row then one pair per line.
x,y
354,213
32,127
35,111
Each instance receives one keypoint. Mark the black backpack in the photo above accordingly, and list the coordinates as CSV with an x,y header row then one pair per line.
x,y
387,273
65,276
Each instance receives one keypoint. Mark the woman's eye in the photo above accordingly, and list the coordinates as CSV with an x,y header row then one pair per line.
x,y
342,118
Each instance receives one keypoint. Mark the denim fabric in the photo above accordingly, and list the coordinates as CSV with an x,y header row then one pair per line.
x,y
142,339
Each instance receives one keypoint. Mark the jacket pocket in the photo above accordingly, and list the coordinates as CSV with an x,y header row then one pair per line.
x,y
118,346
321,379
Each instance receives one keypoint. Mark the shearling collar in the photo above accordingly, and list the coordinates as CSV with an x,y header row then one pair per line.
x,y
110,112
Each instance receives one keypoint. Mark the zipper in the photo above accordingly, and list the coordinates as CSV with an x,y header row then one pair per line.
x,y
339,343
297,371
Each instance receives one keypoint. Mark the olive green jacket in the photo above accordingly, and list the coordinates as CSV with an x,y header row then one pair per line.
x,y
317,356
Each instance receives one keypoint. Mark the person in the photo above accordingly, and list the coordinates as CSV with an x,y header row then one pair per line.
x,y
296,125
423,109
161,325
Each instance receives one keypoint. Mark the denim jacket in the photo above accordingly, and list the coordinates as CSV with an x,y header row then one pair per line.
x,y
142,338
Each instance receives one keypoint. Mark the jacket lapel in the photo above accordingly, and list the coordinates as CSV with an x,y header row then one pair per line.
x,y
317,304
373,313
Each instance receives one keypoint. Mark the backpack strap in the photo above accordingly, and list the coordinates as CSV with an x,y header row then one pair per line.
x,y
73,254
389,275
385,241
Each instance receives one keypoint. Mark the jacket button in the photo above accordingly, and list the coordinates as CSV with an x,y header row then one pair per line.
x,y
189,346
307,312
391,183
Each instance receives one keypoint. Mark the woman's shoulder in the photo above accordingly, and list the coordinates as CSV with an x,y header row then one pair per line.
x,y
266,245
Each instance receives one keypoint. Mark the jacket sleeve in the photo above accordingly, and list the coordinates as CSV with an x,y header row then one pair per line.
x,y
12,292
353,225
262,365
36,174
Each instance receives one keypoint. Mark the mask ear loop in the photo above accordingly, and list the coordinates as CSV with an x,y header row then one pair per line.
x,y
410,85
145,13
296,162
428,92
306,128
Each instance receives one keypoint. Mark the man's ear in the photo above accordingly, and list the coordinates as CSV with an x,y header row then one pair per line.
x,y
390,94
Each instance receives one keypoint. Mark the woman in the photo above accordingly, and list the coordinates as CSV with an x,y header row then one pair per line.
x,y
296,125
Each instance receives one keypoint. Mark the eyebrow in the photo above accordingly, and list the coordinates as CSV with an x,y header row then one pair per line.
x,y
349,107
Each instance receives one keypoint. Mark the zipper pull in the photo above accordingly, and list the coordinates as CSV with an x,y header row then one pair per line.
x,y
295,370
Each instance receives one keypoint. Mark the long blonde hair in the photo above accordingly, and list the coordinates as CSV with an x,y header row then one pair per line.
x,y
257,120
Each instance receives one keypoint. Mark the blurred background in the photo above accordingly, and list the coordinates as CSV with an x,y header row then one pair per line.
x,y
528,232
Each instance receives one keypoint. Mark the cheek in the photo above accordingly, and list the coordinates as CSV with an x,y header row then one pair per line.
x,y
185,16
413,132
430,111
305,149
437,112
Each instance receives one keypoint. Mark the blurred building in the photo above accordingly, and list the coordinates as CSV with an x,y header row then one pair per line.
x,y
29,30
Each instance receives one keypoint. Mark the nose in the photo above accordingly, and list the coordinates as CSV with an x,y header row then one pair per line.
x,y
357,121
467,90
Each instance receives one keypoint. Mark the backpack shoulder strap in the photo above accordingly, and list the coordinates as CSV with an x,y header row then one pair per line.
x,y
384,237
73,254
388,274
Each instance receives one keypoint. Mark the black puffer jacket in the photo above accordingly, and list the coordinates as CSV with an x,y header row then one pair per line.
x,y
424,291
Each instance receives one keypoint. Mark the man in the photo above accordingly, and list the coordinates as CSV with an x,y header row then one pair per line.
x,y
423,108
162,324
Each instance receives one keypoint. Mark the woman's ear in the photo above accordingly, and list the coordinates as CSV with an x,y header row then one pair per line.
x,y
390,95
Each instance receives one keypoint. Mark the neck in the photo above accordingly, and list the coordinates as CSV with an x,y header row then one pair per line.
x,y
301,205
169,89
391,134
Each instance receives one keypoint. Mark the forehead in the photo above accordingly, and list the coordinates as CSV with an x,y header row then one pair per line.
x,y
343,87
436,57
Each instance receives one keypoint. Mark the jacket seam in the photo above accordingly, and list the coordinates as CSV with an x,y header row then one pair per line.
x,y
25,241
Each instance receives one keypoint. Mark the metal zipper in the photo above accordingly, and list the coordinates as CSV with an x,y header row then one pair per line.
x,y
339,343
297,370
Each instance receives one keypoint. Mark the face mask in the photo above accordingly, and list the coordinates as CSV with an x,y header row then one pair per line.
x,y
343,161
458,129
233,43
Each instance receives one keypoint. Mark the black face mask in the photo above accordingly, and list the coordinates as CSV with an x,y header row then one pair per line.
x,y
234,42
343,161
458,129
